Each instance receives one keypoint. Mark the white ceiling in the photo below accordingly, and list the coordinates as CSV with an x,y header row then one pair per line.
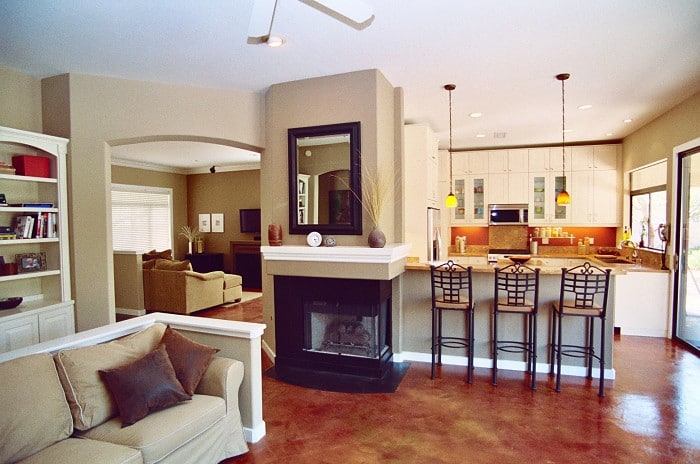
x,y
628,58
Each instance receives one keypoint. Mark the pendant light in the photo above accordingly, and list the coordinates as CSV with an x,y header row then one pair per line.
x,y
451,200
563,197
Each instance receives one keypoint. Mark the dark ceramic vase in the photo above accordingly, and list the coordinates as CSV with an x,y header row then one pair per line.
x,y
376,238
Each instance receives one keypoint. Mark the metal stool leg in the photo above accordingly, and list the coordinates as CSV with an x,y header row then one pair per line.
x,y
601,387
533,349
559,320
432,345
495,348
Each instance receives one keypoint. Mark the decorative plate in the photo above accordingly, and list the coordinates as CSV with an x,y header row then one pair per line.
x,y
314,239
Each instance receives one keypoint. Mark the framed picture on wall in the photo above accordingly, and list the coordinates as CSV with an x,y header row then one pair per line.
x,y
205,222
217,222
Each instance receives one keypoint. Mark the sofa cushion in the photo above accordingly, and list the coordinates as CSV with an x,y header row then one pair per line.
x,y
153,254
162,432
33,409
167,265
144,385
189,358
90,401
74,450
232,280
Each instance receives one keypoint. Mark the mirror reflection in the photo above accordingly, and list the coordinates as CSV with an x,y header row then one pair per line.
x,y
324,168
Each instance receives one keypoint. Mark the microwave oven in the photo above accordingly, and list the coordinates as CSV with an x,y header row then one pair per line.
x,y
508,214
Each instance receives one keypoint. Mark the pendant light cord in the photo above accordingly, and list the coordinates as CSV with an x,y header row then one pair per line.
x,y
450,92
563,130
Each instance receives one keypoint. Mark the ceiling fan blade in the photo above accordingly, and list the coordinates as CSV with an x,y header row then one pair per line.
x,y
354,13
261,20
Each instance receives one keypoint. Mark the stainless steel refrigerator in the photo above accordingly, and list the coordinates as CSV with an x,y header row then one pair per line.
x,y
433,232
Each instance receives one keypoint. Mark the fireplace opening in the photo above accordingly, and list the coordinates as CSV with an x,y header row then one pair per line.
x,y
333,327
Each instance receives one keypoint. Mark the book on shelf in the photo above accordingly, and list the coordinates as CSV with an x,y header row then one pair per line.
x,y
32,205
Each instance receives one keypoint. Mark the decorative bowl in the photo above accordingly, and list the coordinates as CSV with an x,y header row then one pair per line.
x,y
9,303
520,259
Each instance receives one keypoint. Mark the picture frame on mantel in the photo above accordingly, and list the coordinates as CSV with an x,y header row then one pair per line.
x,y
205,222
217,222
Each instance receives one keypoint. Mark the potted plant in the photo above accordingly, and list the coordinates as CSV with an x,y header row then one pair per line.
x,y
191,234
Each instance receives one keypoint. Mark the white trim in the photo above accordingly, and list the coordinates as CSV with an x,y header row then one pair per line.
x,y
254,435
338,254
504,364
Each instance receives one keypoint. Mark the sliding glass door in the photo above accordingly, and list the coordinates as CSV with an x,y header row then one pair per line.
x,y
687,311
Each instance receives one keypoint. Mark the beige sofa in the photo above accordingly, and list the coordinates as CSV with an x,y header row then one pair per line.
x,y
172,286
55,407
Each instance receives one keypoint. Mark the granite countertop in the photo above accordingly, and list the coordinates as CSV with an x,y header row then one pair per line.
x,y
537,261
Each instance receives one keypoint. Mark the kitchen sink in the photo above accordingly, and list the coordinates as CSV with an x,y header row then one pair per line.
x,y
613,260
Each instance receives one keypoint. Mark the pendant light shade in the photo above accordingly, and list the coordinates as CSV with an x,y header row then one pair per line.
x,y
563,197
451,200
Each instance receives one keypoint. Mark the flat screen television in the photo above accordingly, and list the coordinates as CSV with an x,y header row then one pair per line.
x,y
250,221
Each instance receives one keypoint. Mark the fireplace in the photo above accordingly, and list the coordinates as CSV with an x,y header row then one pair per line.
x,y
332,326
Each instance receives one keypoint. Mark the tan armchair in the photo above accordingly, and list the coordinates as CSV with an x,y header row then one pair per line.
x,y
168,289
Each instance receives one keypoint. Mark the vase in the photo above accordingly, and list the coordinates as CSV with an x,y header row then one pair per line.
x,y
200,246
189,248
274,234
376,238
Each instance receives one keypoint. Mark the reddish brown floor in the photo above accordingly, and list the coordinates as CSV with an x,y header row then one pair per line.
x,y
650,414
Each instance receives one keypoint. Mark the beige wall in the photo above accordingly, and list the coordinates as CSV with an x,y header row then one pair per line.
x,y
656,140
20,101
227,193
364,96
106,111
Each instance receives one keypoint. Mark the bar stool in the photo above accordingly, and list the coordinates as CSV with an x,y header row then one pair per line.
x,y
451,291
583,293
516,291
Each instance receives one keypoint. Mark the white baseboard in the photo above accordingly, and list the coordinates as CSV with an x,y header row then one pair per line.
x,y
266,348
130,311
254,435
505,364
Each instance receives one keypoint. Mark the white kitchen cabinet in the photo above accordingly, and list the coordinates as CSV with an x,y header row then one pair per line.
x,y
421,185
508,161
594,198
548,159
47,288
471,193
641,303
542,193
598,157
508,187
465,163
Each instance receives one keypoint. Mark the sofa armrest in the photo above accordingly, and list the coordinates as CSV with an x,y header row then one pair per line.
x,y
223,378
213,275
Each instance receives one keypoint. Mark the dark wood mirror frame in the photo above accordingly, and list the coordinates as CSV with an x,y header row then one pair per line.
x,y
354,226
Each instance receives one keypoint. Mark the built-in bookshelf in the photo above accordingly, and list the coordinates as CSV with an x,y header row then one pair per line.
x,y
34,245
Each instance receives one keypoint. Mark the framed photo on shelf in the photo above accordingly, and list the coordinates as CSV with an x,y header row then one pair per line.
x,y
205,222
31,262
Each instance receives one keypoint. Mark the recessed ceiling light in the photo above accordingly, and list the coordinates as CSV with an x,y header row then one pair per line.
x,y
568,130
585,107
628,120
480,136
609,134
275,41
475,115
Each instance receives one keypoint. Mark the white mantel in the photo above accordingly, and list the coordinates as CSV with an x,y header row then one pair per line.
x,y
340,261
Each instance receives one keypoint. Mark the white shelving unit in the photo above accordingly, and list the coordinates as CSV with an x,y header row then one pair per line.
x,y
47,311
303,199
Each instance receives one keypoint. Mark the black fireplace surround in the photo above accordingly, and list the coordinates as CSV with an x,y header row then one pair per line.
x,y
332,326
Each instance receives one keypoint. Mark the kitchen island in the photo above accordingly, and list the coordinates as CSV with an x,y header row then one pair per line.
x,y
414,332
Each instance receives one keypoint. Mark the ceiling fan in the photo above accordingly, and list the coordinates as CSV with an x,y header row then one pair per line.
x,y
355,13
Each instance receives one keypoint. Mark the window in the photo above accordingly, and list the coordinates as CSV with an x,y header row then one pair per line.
x,y
648,205
141,218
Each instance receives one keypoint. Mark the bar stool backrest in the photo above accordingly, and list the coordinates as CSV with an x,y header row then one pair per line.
x,y
517,285
451,285
585,287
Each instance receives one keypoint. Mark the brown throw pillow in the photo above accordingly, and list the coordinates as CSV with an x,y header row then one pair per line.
x,y
153,254
143,386
167,265
189,358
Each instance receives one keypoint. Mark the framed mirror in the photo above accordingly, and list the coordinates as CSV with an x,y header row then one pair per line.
x,y
324,171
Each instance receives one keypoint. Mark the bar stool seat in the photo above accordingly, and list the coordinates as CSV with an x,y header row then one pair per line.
x,y
583,293
516,291
451,291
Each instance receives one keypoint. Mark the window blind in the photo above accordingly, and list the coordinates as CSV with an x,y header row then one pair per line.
x,y
141,218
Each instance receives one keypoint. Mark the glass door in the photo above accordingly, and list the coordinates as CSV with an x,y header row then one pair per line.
x,y
687,315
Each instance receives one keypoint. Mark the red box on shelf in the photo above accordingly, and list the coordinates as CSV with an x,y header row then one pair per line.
x,y
29,165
